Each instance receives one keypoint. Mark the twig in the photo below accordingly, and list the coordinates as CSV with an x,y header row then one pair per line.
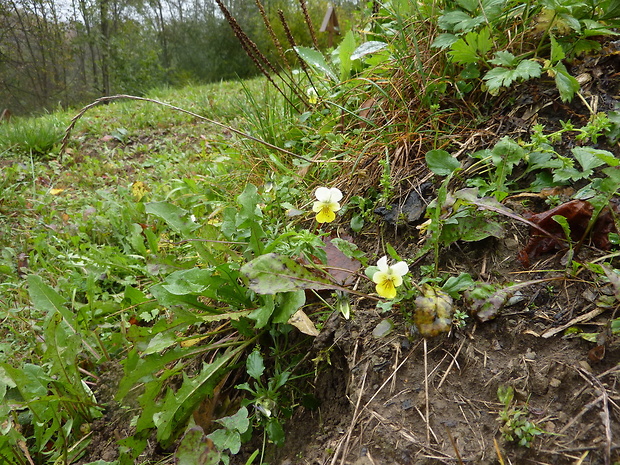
x,y
427,419
353,420
580,319
595,383
75,119
445,375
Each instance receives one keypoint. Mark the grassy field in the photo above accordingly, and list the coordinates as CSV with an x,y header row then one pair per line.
x,y
172,279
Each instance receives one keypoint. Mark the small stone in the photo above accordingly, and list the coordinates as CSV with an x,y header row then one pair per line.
x,y
530,355
554,382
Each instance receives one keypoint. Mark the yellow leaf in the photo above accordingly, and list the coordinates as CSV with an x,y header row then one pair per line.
x,y
304,324
139,190
56,191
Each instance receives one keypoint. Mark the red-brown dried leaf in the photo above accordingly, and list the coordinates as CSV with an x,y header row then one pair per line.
x,y
339,266
578,214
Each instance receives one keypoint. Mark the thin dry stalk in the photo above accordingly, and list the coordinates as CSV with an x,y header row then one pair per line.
x,y
353,420
293,44
304,8
252,51
426,400
445,375
272,34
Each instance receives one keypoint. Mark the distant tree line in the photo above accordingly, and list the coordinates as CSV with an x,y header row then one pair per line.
x,y
66,52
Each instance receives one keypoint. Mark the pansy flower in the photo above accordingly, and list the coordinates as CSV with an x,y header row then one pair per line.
x,y
327,204
389,277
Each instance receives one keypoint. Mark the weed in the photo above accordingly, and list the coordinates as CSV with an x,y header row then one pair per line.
x,y
515,425
39,137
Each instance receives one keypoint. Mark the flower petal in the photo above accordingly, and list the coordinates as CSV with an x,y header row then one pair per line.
x,y
400,269
325,215
317,207
335,194
386,289
382,264
380,276
323,194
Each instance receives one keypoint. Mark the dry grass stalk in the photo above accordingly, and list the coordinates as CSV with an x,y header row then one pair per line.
x,y
304,8
250,48
272,34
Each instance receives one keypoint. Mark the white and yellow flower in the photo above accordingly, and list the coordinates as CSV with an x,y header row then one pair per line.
x,y
389,277
327,204
313,96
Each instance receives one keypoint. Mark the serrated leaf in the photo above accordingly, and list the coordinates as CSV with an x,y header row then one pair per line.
x,y
588,159
528,69
557,52
451,20
367,48
255,365
503,77
178,406
444,41
317,61
567,85
504,58
46,299
272,273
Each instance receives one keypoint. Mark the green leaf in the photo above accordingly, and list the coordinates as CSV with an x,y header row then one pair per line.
x,y
287,303
237,422
444,41
345,50
454,285
441,162
192,281
160,342
273,273
470,227
588,159
275,432
47,300
226,439
367,48
504,58
263,313
505,394
254,365
317,61
557,52
194,449
177,218
503,77
472,48
178,406
567,85
610,9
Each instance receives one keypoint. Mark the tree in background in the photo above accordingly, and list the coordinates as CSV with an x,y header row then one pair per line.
x,y
56,52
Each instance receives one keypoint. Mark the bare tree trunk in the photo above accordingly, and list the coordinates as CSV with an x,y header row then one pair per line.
x,y
105,46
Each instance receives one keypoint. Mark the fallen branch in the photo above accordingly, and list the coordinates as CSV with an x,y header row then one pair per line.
x,y
110,98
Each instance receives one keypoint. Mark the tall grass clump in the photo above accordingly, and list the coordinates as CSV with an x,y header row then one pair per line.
x,y
37,136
